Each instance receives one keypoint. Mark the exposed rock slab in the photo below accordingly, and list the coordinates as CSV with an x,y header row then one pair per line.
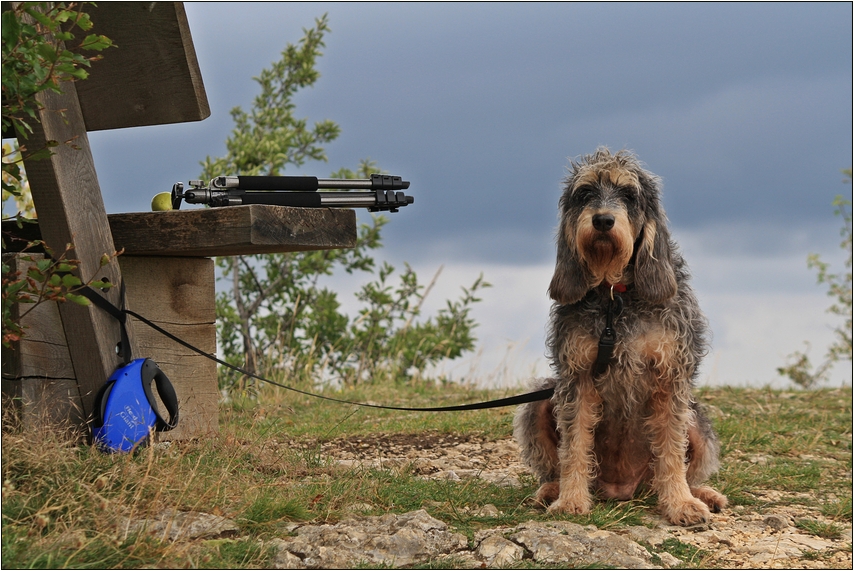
x,y
417,538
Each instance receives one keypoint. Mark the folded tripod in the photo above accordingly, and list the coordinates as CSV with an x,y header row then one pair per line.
x,y
381,192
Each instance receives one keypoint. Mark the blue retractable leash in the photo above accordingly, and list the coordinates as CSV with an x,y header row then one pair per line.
x,y
125,410
126,413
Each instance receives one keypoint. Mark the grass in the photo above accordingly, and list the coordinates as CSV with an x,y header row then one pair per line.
x,y
784,441
820,529
688,554
64,504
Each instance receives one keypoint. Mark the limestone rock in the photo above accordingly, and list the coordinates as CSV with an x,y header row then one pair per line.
x,y
496,551
653,537
776,522
669,561
618,551
175,525
390,540
565,542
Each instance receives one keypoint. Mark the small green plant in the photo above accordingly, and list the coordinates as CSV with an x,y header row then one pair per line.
x,y
42,278
269,509
812,555
687,553
234,554
821,529
839,510
614,514
799,369
15,180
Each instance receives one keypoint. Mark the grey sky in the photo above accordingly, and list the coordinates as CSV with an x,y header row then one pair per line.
x,y
745,111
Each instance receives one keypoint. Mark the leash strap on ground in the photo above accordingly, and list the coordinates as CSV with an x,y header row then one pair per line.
x,y
497,403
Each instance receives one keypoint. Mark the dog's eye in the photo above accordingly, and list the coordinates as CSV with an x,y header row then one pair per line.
x,y
628,194
583,194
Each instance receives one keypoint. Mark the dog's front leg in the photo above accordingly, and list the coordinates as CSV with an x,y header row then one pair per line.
x,y
668,429
576,422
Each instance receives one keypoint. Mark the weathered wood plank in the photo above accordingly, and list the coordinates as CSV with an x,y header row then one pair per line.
x,y
173,290
68,199
193,376
233,230
42,351
178,294
152,77
38,379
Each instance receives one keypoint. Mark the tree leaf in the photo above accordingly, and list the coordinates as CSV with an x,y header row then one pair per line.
x,y
65,267
11,29
71,281
78,299
36,275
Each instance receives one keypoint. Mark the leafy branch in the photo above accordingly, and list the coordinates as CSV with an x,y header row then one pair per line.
x,y
799,369
46,278
36,58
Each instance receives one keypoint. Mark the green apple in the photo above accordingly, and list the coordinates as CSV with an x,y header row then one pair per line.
x,y
162,201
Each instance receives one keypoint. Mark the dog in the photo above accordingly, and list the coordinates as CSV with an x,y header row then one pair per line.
x,y
621,417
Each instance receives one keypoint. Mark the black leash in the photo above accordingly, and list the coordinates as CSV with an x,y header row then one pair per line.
x,y
608,339
121,316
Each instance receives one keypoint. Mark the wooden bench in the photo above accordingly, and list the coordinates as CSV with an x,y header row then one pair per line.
x,y
69,351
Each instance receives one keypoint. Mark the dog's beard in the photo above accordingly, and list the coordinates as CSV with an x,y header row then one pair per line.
x,y
606,257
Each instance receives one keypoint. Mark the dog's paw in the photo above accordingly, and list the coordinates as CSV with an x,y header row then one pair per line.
x,y
690,512
715,500
579,505
547,493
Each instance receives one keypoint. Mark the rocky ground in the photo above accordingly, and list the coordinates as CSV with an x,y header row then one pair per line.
x,y
741,537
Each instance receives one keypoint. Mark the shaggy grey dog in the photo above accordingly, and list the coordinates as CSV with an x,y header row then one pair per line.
x,y
626,338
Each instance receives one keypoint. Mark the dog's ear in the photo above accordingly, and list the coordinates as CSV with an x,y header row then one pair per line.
x,y
571,281
655,279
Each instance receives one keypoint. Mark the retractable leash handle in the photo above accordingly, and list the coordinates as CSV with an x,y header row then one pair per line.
x,y
383,192
126,412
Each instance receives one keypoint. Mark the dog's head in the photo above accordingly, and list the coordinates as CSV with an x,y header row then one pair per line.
x,y
612,229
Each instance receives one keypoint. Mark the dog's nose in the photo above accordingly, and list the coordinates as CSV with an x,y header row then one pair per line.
x,y
603,222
